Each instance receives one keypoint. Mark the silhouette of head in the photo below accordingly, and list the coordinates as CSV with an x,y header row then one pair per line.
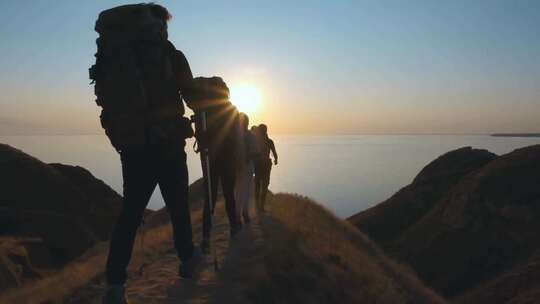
x,y
244,121
263,129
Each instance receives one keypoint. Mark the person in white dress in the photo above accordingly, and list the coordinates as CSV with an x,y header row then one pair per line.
x,y
248,154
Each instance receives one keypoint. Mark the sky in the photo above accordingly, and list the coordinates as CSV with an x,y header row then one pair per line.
x,y
322,67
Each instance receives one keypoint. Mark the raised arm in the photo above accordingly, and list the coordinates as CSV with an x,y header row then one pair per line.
x,y
273,149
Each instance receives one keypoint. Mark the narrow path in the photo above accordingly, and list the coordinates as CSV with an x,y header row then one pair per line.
x,y
160,284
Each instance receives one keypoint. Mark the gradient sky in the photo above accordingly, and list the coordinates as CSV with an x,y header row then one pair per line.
x,y
324,67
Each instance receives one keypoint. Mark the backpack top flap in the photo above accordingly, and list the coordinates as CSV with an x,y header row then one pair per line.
x,y
134,19
206,92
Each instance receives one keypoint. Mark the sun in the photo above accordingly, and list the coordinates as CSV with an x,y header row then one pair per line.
x,y
246,97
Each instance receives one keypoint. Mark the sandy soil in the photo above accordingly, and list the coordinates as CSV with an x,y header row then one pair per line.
x,y
238,259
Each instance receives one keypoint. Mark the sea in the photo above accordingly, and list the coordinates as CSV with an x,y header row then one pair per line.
x,y
346,173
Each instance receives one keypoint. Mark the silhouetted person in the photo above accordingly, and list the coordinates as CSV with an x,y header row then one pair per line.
x,y
139,77
248,154
223,137
263,165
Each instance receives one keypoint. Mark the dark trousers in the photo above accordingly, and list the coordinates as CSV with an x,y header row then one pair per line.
x,y
263,169
222,169
142,170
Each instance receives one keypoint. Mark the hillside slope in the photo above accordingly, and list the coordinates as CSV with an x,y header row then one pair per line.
x,y
49,215
297,252
80,274
520,285
482,226
412,202
314,257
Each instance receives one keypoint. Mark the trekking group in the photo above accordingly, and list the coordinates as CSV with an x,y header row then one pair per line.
x,y
141,82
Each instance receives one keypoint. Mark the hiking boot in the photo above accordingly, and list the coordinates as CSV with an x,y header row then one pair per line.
x,y
115,294
205,245
187,268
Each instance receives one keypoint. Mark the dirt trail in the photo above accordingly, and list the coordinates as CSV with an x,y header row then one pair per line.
x,y
238,259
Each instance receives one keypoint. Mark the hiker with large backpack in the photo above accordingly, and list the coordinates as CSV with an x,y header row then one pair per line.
x,y
248,155
263,165
221,139
139,78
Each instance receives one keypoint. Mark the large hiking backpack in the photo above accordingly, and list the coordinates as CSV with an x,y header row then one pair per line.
x,y
207,92
133,67
224,131
212,96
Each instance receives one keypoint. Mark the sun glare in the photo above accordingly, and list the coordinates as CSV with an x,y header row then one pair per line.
x,y
246,97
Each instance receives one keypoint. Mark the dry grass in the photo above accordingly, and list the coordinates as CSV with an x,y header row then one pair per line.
x,y
342,259
55,288
310,256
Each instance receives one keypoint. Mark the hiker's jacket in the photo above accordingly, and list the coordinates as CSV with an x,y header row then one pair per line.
x,y
224,131
165,121
251,147
266,146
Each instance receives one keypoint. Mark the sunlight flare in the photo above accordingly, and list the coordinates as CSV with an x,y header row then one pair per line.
x,y
246,97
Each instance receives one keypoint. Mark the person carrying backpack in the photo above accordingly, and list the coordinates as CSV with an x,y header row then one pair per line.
x,y
139,78
249,153
263,165
222,139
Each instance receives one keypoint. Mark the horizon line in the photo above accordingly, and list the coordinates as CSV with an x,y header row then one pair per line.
x,y
306,134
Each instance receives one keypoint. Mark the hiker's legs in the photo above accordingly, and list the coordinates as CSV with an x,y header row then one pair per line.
x,y
258,181
214,179
239,193
139,183
173,183
228,178
265,181
244,192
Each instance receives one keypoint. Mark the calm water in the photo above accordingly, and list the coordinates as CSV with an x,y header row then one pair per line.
x,y
347,174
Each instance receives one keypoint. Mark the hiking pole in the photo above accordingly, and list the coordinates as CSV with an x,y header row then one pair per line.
x,y
200,120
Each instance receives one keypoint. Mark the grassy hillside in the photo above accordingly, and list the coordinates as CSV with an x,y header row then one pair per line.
x,y
386,221
485,225
56,286
517,286
49,215
314,257
37,197
310,256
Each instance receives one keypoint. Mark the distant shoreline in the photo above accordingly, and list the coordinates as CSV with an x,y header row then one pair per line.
x,y
311,135
516,134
